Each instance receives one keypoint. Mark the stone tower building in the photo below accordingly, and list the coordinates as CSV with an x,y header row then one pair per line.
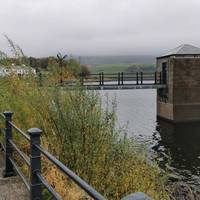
x,y
180,100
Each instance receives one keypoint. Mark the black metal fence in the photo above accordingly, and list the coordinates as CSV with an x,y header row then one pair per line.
x,y
36,181
121,78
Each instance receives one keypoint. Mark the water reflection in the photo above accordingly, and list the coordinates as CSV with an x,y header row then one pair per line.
x,y
182,142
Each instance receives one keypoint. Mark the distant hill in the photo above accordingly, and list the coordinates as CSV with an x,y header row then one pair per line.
x,y
107,60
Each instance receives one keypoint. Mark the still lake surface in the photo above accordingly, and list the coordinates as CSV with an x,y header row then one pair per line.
x,y
178,145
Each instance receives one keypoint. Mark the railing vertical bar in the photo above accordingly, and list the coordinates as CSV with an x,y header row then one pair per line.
x,y
9,170
122,78
141,78
102,79
99,78
119,78
35,159
155,78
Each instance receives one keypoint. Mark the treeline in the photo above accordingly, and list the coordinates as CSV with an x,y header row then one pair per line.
x,y
50,63
47,64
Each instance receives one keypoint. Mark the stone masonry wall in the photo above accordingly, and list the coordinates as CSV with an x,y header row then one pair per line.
x,y
186,80
186,89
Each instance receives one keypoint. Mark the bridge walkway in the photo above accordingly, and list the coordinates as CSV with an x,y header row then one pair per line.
x,y
121,80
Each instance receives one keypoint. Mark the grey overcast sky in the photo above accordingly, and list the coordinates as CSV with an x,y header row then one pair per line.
x,y
99,27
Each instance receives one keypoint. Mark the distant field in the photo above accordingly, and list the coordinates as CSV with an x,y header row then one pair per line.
x,y
114,68
111,68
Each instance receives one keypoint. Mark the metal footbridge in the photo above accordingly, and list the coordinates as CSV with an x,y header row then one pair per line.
x,y
121,80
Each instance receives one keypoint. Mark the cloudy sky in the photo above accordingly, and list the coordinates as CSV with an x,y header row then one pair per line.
x,y
99,27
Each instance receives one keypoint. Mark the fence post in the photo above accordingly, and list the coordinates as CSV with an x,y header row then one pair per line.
x,y
118,78
9,170
141,78
102,78
35,158
155,78
137,80
122,78
99,78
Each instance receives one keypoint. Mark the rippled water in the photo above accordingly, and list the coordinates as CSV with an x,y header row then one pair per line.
x,y
181,141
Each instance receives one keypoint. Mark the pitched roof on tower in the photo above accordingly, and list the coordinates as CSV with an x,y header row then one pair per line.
x,y
185,49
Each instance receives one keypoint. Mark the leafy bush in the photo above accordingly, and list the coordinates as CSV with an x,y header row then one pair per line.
x,y
82,134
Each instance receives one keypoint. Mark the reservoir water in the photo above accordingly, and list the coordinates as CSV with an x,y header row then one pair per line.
x,y
175,145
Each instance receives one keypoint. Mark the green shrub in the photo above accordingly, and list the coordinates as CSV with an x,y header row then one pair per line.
x,y
82,134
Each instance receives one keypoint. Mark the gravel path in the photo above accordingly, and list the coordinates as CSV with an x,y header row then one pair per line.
x,y
11,188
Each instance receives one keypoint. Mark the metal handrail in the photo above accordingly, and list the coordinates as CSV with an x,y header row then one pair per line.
x,y
121,77
31,162
3,131
36,182
87,188
19,172
48,187
2,146
20,131
2,115
22,155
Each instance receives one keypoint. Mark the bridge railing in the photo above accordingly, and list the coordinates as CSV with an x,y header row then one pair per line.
x,y
37,181
122,78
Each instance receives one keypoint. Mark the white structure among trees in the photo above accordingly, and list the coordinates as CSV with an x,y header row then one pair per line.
x,y
19,70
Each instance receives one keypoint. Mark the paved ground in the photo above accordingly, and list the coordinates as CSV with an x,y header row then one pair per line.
x,y
11,188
